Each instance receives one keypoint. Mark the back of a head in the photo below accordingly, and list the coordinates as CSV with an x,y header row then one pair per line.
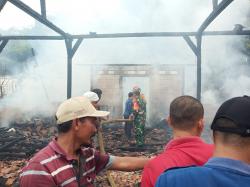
x,y
136,90
185,111
97,91
130,94
92,96
231,124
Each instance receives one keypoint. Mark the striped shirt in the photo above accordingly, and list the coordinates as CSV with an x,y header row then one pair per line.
x,y
53,167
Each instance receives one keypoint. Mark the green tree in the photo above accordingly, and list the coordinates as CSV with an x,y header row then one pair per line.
x,y
15,57
19,51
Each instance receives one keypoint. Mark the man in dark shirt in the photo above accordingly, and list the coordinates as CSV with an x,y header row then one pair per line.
x,y
127,115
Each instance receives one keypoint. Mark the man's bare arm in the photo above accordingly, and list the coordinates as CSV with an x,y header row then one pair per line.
x,y
128,163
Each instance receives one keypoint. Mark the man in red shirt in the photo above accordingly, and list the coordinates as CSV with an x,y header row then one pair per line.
x,y
186,148
69,160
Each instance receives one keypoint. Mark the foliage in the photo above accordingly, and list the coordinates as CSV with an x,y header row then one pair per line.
x,y
19,51
14,57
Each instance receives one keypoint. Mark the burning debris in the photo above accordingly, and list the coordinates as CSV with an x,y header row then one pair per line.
x,y
18,142
22,140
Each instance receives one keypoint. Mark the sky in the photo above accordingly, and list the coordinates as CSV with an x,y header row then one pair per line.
x,y
83,16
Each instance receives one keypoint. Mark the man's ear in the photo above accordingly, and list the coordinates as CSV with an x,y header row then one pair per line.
x,y
169,122
75,124
201,123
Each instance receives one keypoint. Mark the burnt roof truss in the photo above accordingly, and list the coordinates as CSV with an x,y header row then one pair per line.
x,y
3,43
2,3
72,48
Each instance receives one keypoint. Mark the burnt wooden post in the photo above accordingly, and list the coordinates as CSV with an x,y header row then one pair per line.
x,y
3,44
68,43
70,54
217,9
198,57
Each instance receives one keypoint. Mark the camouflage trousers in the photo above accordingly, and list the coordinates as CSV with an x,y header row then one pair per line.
x,y
139,124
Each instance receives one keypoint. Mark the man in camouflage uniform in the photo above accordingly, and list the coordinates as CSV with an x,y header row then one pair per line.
x,y
139,112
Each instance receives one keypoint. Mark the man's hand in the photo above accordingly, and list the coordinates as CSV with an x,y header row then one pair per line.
x,y
131,117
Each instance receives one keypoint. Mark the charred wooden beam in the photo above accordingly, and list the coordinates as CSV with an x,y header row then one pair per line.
x,y
2,3
37,16
127,35
9,144
16,155
116,121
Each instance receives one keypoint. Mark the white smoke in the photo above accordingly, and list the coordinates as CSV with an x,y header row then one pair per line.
x,y
45,83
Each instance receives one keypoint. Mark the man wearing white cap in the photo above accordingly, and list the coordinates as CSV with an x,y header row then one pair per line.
x,y
69,160
93,97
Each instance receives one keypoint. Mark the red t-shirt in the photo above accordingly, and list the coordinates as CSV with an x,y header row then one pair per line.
x,y
179,152
52,167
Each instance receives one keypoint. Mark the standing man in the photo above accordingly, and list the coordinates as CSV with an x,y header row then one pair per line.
x,y
139,112
127,115
69,160
93,97
98,92
230,165
186,148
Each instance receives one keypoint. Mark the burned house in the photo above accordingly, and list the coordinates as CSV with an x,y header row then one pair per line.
x,y
160,85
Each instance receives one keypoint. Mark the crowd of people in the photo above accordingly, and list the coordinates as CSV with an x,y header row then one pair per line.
x,y
70,160
230,164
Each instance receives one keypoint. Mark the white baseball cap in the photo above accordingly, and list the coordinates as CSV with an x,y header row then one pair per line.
x,y
77,107
92,96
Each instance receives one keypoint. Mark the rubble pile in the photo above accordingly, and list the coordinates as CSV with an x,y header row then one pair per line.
x,y
20,141
117,144
9,171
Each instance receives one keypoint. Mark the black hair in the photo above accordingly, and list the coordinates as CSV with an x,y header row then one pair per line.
x,y
137,93
98,92
185,111
130,94
64,127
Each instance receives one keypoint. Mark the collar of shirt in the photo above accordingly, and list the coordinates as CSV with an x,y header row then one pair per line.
x,y
57,148
228,163
178,141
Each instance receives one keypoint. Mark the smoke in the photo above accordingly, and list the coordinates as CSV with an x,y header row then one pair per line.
x,y
43,85
225,68
226,74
